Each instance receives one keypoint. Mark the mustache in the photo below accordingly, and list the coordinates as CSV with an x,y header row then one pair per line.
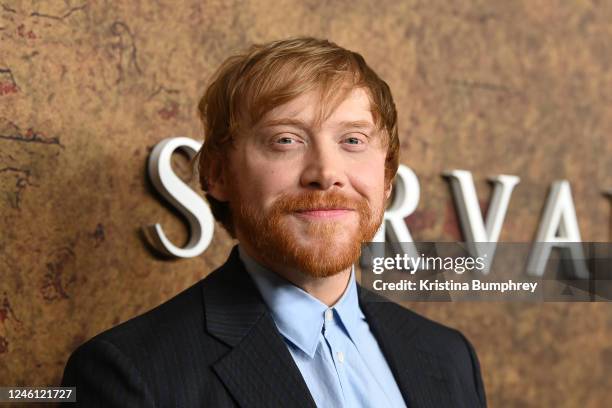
x,y
311,200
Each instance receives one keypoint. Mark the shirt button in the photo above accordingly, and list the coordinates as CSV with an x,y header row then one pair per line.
x,y
329,315
341,357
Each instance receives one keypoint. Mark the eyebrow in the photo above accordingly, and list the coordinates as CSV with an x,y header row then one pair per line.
x,y
358,124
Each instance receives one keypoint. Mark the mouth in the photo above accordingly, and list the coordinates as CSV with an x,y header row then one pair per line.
x,y
324,213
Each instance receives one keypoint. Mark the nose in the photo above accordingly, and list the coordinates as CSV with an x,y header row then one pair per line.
x,y
323,168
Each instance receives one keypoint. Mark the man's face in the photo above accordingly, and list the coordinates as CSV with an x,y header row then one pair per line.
x,y
305,197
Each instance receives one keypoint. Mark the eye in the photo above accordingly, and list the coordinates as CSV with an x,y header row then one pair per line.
x,y
285,140
356,139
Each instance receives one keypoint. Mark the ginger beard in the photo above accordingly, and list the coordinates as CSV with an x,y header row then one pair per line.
x,y
333,244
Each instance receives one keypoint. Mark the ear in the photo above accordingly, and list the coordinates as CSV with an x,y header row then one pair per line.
x,y
218,181
388,191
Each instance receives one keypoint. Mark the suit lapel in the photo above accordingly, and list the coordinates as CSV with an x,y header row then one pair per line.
x,y
258,370
417,371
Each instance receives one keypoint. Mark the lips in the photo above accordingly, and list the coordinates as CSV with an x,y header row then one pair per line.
x,y
324,212
325,209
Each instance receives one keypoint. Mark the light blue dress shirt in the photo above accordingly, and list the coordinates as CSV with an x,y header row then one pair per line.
x,y
333,347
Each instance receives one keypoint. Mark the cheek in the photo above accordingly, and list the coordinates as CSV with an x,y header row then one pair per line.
x,y
370,188
368,177
263,181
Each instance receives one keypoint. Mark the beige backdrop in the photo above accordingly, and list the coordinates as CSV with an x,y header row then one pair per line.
x,y
87,88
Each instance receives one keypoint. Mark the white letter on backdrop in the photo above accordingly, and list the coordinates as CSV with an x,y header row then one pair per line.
x,y
182,197
481,236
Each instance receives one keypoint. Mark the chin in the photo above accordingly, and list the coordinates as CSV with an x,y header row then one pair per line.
x,y
340,240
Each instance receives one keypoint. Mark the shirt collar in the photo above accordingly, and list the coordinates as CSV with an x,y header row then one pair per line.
x,y
298,315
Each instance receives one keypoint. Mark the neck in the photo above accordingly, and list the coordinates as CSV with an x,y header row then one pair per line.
x,y
328,290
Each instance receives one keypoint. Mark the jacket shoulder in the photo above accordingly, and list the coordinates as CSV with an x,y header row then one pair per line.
x,y
182,313
140,360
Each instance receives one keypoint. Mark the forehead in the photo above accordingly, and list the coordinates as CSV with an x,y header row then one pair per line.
x,y
354,107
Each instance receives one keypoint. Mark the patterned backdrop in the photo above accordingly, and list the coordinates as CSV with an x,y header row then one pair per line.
x,y
87,88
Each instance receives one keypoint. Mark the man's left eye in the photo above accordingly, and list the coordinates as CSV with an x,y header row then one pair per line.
x,y
354,140
285,140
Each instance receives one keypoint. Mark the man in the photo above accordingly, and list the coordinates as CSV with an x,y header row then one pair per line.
x,y
300,152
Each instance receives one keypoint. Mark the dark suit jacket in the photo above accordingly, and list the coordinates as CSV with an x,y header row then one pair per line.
x,y
216,345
